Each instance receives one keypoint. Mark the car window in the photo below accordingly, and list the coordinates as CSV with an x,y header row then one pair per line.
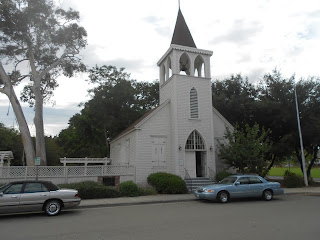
x,y
228,180
51,187
254,180
14,189
35,187
2,188
243,180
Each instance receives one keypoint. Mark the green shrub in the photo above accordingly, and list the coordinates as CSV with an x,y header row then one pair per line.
x,y
92,190
221,175
145,191
166,183
129,189
292,180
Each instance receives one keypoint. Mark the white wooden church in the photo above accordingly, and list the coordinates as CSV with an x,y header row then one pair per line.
x,y
180,135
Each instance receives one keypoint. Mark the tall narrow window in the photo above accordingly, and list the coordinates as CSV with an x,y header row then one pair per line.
x,y
194,110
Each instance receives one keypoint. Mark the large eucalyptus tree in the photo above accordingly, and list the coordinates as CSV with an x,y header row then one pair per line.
x,y
38,41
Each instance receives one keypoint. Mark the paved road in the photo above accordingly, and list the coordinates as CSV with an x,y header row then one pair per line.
x,y
286,217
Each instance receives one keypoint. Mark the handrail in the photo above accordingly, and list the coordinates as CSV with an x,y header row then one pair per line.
x,y
187,176
212,174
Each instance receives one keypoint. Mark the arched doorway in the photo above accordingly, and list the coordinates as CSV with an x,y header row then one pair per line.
x,y
195,155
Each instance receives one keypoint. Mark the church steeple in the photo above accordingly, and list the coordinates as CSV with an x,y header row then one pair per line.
x,y
181,35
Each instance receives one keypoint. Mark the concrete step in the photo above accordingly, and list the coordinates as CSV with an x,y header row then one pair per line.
x,y
194,183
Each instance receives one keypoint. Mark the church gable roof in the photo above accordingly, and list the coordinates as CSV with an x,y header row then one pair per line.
x,y
181,35
140,121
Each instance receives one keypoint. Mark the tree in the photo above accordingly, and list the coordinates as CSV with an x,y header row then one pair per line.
x,y
54,152
234,98
49,39
271,104
10,140
117,102
246,149
277,111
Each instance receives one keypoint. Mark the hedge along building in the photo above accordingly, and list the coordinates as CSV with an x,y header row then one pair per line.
x,y
180,135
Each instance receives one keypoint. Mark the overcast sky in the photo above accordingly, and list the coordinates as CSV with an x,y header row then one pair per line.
x,y
246,36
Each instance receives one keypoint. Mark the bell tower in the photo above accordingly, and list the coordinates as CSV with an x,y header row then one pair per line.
x,y
185,82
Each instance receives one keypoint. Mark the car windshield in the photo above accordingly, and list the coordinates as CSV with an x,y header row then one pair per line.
x,y
228,180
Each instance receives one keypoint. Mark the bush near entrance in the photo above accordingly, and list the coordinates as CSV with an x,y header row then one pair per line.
x,y
93,190
221,175
166,183
129,189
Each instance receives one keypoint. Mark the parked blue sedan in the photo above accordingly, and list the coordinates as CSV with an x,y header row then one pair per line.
x,y
239,186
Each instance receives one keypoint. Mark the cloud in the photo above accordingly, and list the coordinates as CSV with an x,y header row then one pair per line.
x,y
244,58
157,23
128,64
152,19
240,33
256,74
54,118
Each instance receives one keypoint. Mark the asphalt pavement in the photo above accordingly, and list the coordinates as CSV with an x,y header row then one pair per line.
x,y
167,198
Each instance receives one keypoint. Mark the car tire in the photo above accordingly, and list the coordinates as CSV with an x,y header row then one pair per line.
x,y
267,195
52,207
223,197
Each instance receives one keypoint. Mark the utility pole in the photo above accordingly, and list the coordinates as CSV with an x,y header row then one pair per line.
x,y
300,138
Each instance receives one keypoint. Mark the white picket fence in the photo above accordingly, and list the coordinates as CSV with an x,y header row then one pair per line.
x,y
66,174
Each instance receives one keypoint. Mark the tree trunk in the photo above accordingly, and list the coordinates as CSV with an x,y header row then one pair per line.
x,y
269,167
23,126
314,158
38,122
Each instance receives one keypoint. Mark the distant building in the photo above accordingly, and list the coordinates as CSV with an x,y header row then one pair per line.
x,y
180,135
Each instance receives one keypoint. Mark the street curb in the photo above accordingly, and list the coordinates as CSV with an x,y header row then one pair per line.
x,y
134,203
304,193
172,201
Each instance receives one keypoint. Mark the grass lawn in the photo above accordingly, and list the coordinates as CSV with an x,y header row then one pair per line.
x,y
279,171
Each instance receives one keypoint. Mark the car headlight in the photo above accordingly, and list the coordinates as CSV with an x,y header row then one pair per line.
x,y
208,190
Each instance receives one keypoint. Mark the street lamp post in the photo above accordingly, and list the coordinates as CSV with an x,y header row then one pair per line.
x,y
300,138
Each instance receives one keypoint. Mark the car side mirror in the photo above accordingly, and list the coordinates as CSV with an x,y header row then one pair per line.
x,y
237,183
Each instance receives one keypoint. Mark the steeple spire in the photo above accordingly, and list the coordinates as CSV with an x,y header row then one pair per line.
x,y
181,35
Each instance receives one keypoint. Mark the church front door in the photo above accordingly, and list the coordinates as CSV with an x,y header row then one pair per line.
x,y
195,163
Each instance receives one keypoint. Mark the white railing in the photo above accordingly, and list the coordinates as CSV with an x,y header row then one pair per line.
x,y
85,160
12,173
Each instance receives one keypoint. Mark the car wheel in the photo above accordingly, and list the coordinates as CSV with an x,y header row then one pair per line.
x,y
53,207
223,197
267,195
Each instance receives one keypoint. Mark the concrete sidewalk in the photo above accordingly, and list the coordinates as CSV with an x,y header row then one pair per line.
x,y
123,201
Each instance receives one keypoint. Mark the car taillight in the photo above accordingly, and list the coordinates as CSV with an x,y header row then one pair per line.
x,y
76,195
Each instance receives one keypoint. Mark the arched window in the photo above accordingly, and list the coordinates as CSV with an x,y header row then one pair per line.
x,y
169,67
195,141
199,67
162,74
184,64
194,109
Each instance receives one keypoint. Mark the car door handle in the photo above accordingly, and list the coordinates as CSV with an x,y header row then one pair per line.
x,y
14,196
44,195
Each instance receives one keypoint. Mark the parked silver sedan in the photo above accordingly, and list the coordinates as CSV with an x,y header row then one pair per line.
x,y
239,186
25,196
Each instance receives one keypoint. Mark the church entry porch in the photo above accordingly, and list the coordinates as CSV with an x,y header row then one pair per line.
x,y
195,155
